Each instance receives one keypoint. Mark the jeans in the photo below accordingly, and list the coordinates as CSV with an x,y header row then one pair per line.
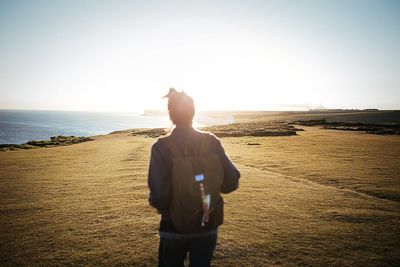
x,y
173,252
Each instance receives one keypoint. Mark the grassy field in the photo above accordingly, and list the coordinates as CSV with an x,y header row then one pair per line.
x,y
324,197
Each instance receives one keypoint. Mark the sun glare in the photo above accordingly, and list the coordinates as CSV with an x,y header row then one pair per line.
x,y
263,79
238,70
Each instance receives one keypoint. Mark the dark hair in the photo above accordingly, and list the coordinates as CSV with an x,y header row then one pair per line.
x,y
180,107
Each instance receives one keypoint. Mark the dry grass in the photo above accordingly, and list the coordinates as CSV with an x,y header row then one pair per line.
x,y
321,198
357,161
82,204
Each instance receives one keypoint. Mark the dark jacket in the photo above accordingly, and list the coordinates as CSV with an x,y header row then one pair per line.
x,y
160,170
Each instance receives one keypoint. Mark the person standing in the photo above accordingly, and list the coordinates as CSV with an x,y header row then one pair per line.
x,y
187,172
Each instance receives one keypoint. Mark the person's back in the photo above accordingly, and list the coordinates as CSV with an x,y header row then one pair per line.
x,y
176,240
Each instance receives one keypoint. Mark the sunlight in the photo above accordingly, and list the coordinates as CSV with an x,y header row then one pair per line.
x,y
239,70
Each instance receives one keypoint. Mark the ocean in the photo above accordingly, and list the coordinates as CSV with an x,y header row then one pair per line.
x,y
21,126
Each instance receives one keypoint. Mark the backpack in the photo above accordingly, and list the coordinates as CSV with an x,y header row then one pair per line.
x,y
196,204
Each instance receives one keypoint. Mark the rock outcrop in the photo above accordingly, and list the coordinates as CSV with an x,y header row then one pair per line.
x,y
256,128
370,128
54,141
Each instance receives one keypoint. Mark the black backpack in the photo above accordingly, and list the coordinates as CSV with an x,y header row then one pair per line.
x,y
196,204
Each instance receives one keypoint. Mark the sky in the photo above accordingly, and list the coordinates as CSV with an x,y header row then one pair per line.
x,y
228,55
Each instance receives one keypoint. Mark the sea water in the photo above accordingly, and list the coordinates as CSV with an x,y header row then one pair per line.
x,y
21,126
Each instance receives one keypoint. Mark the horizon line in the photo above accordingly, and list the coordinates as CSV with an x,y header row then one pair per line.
x,y
226,110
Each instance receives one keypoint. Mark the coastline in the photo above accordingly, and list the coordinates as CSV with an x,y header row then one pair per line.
x,y
250,127
22,126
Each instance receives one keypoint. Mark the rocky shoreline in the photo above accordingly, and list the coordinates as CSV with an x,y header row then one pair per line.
x,y
59,140
370,128
255,128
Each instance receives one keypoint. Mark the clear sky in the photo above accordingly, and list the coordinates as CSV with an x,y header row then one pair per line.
x,y
263,55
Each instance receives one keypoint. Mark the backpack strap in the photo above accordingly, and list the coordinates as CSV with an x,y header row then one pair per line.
x,y
205,143
173,147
